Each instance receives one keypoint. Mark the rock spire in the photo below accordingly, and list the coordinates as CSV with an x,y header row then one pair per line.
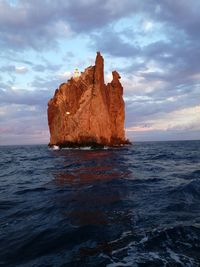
x,y
84,111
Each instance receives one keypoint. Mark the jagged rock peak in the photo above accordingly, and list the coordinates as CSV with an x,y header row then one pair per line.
x,y
84,111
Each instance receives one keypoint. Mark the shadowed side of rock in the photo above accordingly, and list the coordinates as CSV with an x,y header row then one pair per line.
x,y
86,112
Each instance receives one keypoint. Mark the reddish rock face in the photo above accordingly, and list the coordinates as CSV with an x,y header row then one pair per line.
x,y
84,111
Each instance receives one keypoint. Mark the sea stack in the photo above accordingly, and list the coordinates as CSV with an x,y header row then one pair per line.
x,y
87,112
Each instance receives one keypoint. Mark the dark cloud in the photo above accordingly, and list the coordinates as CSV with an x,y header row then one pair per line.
x,y
85,16
42,89
163,73
183,15
174,94
138,112
34,24
23,116
111,43
48,83
25,97
17,129
38,24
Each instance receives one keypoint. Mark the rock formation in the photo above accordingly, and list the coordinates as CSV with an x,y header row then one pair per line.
x,y
84,111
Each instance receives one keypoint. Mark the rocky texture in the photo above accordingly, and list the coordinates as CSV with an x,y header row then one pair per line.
x,y
84,111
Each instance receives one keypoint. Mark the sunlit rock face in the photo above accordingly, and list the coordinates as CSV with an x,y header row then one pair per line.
x,y
84,111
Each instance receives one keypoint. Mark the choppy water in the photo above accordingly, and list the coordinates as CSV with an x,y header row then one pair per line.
x,y
134,206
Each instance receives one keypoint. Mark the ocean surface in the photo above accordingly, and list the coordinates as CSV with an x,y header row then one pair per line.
x,y
132,206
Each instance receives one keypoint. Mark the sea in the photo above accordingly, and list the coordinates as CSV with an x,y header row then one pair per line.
x,y
135,206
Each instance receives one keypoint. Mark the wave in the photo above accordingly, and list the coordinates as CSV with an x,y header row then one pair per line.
x,y
29,190
175,246
130,206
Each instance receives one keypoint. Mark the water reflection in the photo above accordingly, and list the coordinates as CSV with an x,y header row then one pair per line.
x,y
88,167
94,187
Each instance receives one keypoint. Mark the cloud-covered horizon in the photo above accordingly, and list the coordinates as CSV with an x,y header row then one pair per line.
x,y
155,47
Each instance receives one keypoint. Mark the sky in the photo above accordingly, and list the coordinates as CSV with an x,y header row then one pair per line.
x,y
154,45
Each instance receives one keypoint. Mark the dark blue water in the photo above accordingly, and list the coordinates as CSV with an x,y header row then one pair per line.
x,y
134,206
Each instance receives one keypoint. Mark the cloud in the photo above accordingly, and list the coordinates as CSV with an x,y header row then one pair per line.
x,y
85,16
65,75
21,69
182,122
182,15
183,119
34,24
22,124
39,24
113,44
154,46
23,117
15,69
46,66
24,97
